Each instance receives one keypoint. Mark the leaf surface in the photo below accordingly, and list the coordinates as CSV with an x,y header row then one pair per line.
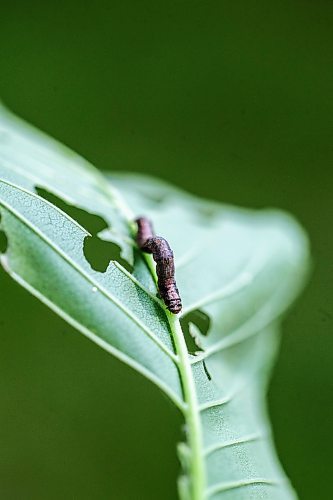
x,y
237,269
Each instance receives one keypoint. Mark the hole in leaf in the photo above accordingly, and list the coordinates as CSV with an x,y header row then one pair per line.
x,y
206,370
191,344
202,322
91,222
200,319
3,242
99,253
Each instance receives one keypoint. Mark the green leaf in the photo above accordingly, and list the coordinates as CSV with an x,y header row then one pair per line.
x,y
237,270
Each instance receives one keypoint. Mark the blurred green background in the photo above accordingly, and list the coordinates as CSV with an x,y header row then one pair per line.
x,y
231,100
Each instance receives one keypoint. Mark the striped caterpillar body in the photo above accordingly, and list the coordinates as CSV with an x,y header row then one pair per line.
x,y
165,266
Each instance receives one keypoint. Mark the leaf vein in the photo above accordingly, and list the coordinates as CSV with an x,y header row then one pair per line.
x,y
234,442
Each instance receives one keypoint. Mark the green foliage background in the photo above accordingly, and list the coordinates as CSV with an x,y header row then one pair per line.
x,y
230,100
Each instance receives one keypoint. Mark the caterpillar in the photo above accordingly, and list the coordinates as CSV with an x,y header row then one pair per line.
x,y
165,265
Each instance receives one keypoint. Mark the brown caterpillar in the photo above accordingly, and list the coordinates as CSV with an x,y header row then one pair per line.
x,y
165,266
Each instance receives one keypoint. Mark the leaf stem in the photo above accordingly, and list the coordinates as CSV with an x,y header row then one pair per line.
x,y
191,413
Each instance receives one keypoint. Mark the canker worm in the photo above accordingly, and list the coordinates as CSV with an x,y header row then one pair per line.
x,y
165,265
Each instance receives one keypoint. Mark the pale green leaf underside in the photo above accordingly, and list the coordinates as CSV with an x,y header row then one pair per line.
x,y
242,268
